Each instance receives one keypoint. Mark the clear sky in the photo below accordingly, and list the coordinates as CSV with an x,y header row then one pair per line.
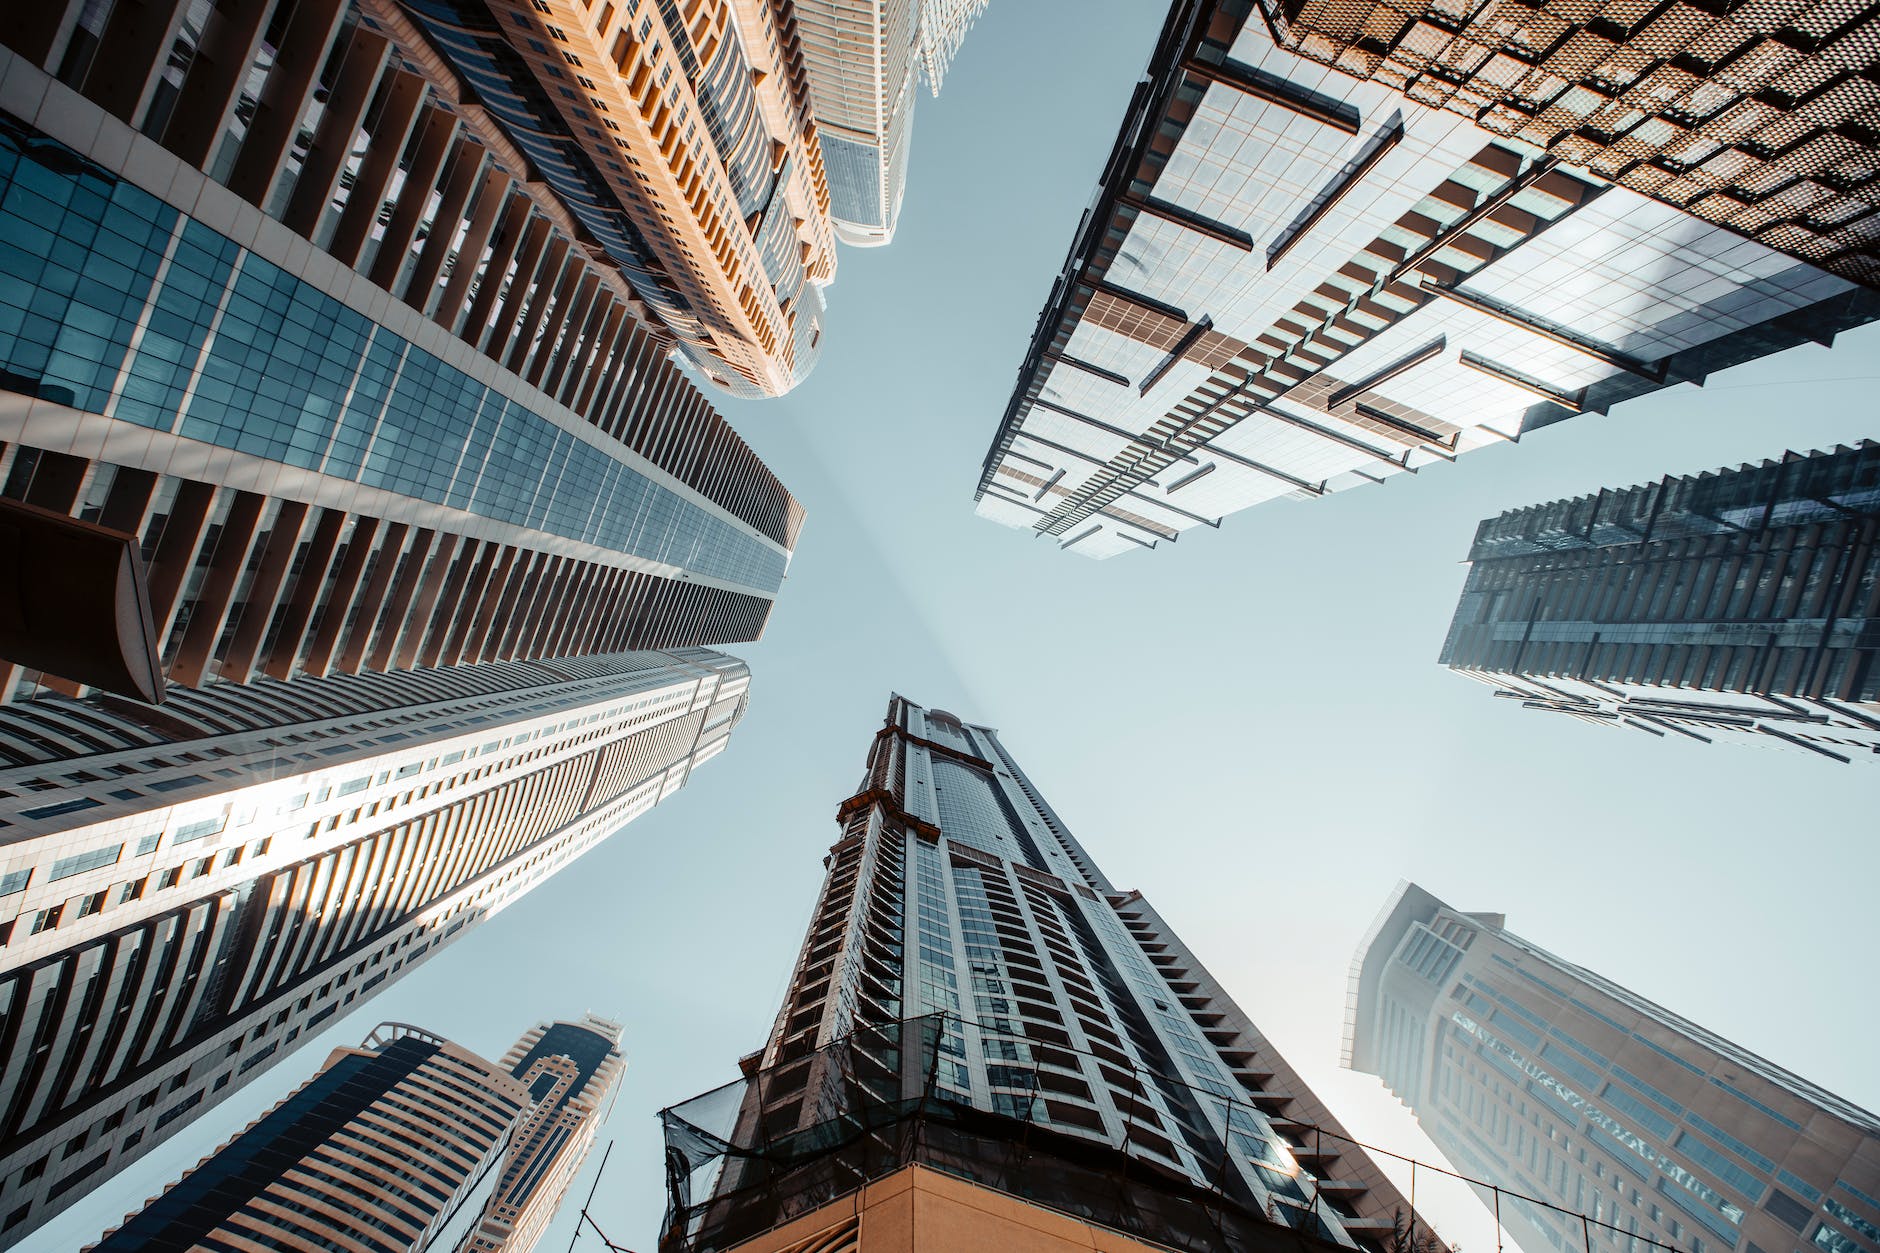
x,y
1249,725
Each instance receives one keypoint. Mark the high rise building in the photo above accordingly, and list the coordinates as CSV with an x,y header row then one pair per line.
x,y
408,1143
1291,282
572,1070
682,141
303,324
1545,1078
1742,605
187,892
863,60
1756,118
973,994
383,1149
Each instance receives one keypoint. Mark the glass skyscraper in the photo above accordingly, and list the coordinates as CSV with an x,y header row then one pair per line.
x,y
433,529
345,373
1547,1079
1740,605
863,60
1291,282
969,968
198,888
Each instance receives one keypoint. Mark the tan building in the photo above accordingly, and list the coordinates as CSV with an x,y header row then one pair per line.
x,y
573,1069
684,143
377,1151
920,1210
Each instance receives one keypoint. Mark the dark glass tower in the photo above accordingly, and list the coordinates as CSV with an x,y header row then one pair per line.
x,y
1742,604
1552,1081
388,1148
969,967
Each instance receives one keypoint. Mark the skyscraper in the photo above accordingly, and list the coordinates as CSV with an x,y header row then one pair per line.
x,y
359,390
974,994
572,1069
384,1149
682,141
1750,117
1741,605
1291,282
863,60
1550,1080
188,892
409,1142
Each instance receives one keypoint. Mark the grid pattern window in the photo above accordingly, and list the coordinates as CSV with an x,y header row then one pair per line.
x,y
971,810
108,296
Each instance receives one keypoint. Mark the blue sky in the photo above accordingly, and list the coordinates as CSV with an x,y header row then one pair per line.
x,y
1249,725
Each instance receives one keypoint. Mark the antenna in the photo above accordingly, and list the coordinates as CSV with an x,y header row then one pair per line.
x,y
587,1218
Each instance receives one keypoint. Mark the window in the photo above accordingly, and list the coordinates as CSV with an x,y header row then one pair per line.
x,y
63,807
79,863
15,881
200,829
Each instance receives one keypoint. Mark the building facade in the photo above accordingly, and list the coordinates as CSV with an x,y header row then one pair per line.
x,y
683,141
863,59
1291,282
312,336
1741,605
187,892
1549,1080
967,958
572,1070
1759,119
380,1150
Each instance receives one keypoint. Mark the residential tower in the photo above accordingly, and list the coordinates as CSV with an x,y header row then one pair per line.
x,y
1554,1082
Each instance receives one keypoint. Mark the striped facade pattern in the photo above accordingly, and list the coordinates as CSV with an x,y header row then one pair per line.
x,y
260,568
141,985
244,585
1758,117
304,112
1739,605
1292,283
955,890
706,182
376,1152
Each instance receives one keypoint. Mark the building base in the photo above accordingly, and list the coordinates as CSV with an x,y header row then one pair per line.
x,y
919,1210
